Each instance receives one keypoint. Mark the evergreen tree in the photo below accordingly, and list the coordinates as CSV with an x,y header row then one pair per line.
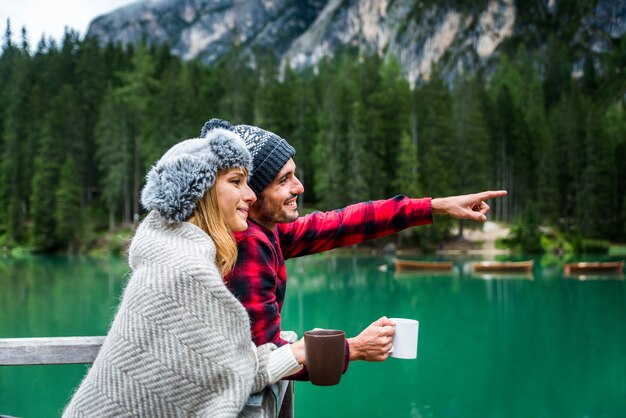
x,y
45,181
589,78
596,216
198,99
561,129
15,150
138,86
238,81
436,148
536,158
354,181
612,80
25,45
166,123
407,173
548,193
115,61
58,138
207,84
271,99
70,45
304,116
471,138
470,141
6,64
514,159
331,150
507,75
435,136
615,132
91,83
507,139
572,133
67,212
114,158
557,78
390,108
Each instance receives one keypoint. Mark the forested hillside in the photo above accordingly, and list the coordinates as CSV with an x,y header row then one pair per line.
x,y
81,123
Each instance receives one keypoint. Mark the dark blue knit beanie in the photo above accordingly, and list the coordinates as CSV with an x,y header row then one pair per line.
x,y
269,151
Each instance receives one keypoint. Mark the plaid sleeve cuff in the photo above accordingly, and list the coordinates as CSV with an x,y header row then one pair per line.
x,y
346,356
421,211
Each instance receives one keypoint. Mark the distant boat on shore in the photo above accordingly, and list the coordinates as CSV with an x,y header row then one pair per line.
x,y
422,265
503,266
607,267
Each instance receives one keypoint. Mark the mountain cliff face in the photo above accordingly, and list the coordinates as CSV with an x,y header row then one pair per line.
x,y
207,29
456,34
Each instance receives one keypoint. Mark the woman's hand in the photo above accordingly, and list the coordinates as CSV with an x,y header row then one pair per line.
x,y
297,349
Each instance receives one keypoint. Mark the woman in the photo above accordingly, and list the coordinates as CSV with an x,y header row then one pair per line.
x,y
180,343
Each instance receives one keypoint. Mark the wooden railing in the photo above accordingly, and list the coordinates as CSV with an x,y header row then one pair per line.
x,y
275,401
49,350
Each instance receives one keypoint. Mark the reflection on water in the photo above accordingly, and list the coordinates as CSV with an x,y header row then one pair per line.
x,y
504,276
538,346
583,277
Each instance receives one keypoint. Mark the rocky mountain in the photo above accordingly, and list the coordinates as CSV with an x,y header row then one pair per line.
x,y
456,34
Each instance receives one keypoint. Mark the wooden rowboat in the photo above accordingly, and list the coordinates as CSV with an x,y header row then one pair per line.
x,y
422,265
503,266
610,267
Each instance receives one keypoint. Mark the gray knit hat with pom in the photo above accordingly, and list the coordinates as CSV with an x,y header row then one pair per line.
x,y
269,151
188,170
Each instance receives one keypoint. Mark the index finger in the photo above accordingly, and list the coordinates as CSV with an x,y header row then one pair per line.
x,y
388,330
490,194
383,321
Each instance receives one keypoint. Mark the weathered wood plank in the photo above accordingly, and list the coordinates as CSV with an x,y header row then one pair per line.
x,y
49,350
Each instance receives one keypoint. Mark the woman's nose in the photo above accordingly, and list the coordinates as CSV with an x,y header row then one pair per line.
x,y
248,195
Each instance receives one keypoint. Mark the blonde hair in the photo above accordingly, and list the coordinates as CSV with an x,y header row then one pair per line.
x,y
208,217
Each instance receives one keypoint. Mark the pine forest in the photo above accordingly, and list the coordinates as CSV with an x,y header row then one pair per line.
x,y
81,123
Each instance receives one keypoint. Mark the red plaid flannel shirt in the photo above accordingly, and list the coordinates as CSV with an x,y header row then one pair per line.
x,y
259,278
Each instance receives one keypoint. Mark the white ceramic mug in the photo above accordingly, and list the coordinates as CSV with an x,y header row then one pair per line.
x,y
405,338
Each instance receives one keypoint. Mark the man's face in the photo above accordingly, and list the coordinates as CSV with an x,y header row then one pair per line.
x,y
278,202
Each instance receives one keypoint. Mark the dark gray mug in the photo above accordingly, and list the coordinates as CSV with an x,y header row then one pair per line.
x,y
325,355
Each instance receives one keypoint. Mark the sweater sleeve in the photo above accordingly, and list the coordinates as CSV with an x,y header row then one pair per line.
x,y
273,364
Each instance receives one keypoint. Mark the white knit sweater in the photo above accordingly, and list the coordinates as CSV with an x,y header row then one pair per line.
x,y
180,343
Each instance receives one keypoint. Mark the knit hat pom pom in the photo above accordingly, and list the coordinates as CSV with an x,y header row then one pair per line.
x,y
214,124
230,151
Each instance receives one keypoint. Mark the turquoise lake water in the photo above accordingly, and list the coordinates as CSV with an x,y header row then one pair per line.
x,y
540,345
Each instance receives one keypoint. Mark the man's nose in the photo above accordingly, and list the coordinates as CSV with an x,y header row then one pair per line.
x,y
297,187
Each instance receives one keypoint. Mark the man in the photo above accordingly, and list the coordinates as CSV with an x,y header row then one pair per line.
x,y
276,232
